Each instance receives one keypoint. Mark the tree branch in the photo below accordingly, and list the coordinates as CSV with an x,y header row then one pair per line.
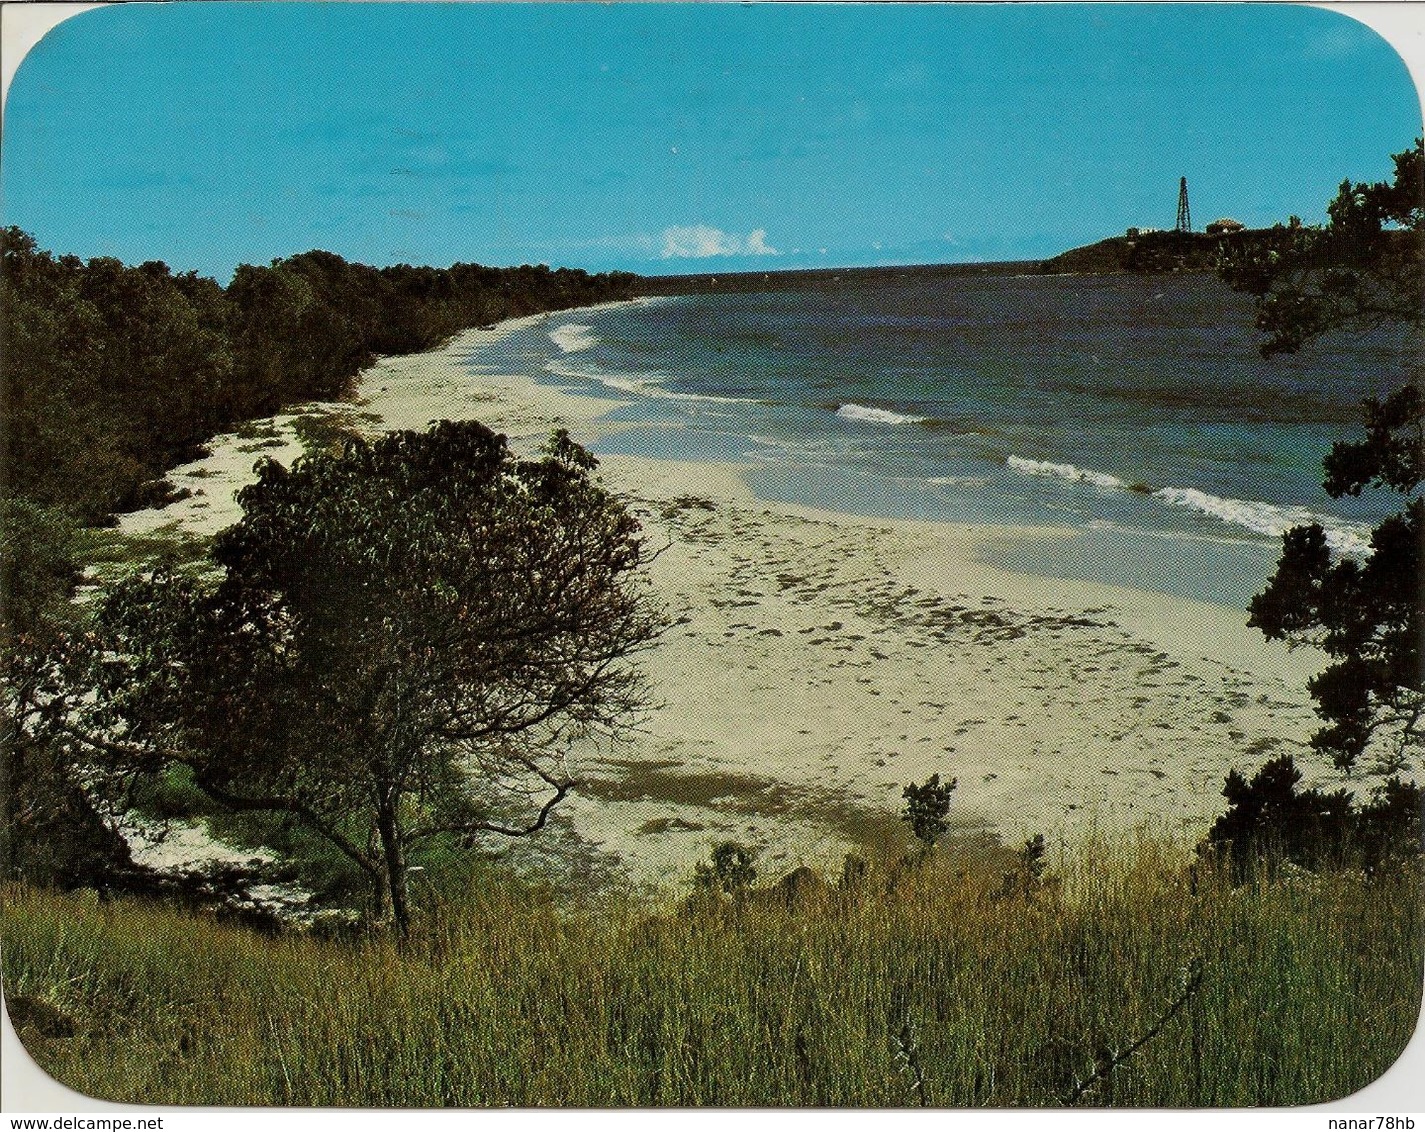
x,y
561,791
274,804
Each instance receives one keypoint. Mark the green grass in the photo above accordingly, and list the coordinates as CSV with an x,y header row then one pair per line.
x,y
1310,991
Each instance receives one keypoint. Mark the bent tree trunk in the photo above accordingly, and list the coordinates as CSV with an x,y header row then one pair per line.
x,y
393,855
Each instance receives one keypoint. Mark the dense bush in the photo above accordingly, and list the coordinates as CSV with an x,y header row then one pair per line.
x,y
1270,820
114,373
50,831
925,809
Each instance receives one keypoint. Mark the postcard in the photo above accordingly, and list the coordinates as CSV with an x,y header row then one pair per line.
x,y
705,556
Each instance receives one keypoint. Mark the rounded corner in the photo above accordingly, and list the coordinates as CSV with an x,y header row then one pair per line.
x,y
25,28
27,1085
1398,1086
1396,27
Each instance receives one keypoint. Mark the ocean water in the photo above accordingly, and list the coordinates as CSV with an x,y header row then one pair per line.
x,y
1135,411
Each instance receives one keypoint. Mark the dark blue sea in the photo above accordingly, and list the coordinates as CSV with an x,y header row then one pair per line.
x,y
1136,411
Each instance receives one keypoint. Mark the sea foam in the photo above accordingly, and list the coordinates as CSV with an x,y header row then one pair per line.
x,y
573,337
851,412
1065,471
644,385
1269,518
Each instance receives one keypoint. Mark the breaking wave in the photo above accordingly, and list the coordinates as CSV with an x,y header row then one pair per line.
x,y
1270,519
573,337
1066,472
643,385
868,415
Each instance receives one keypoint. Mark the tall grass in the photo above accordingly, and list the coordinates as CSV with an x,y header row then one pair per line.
x,y
1310,990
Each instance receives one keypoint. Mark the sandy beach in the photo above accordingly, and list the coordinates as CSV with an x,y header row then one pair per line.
x,y
817,662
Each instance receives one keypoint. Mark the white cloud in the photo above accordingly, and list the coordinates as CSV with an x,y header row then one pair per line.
x,y
700,241
696,241
757,243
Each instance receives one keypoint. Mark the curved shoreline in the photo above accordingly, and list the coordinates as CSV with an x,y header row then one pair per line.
x,y
818,661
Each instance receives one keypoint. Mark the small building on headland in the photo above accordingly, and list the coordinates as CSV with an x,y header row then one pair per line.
x,y
1225,227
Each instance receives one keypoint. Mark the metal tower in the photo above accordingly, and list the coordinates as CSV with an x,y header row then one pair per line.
x,y
1184,223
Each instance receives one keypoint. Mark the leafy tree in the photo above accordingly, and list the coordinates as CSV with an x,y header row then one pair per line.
x,y
161,368
61,441
1361,269
266,309
402,643
1364,268
38,573
925,809
113,373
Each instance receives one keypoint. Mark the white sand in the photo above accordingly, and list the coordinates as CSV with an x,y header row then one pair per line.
x,y
819,661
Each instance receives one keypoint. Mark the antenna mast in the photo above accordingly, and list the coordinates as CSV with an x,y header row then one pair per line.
x,y
1184,223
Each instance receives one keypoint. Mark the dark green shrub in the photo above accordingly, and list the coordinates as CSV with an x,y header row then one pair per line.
x,y
1270,820
925,809
731,870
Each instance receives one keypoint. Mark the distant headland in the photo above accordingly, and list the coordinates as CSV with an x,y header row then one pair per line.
x,y
829,277
1145,251
1139,251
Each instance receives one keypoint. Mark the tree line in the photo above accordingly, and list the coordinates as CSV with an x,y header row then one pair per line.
x,y
114,373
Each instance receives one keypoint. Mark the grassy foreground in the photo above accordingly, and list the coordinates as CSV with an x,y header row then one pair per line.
x,y
920,987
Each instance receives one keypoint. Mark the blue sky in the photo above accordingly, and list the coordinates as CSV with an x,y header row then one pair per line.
x,y
700,137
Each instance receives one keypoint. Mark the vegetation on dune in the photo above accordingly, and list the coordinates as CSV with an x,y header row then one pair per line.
x,y
1293,990
1270,822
